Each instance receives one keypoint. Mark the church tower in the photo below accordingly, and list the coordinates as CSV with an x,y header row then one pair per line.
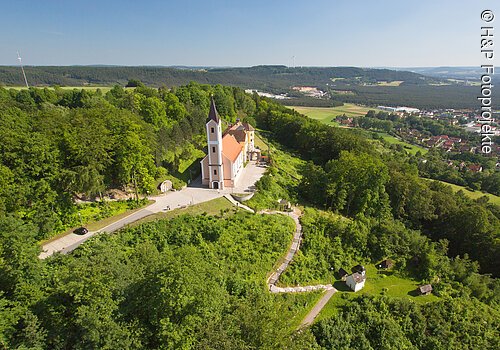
x,y
214,142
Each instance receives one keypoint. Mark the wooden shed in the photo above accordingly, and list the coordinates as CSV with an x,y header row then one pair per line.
x,y
426,289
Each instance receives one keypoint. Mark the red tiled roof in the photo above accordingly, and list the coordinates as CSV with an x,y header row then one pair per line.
x,y
230,147
475,167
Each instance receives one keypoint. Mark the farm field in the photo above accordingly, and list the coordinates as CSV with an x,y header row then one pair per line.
x,y
390,83
472,194
326,114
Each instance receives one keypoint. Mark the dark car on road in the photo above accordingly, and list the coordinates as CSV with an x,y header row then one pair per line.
x,y
81,231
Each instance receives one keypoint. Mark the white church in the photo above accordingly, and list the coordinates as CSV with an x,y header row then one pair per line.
x,y
227,151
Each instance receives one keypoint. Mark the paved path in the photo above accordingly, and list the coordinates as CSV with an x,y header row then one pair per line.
x,y
238,204
197,194
191,195
317,308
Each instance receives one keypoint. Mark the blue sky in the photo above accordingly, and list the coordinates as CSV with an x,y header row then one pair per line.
x,y
244,33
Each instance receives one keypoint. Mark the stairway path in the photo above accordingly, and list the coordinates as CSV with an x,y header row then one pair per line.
x,y
295,214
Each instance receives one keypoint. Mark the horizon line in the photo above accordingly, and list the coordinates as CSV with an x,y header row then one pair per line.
x,y
96,65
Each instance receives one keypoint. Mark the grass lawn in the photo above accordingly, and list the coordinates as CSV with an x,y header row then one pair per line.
x,y
413,149
376,284
326,114
472,194
213,207
302,305
94,217
259,142
97,225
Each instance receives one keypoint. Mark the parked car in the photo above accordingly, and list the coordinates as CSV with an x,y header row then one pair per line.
x,y
81,231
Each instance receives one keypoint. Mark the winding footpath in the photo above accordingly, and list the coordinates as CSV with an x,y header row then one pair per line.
x,y
275,275
197,194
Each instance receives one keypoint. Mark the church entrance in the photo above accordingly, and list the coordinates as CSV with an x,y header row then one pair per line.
x,y
215,185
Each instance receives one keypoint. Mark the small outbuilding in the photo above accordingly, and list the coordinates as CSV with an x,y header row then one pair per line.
x,y
386,264
165,186
359,269
343,274
425,289
356,281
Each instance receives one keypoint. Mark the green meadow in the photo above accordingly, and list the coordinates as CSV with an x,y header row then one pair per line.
x,y
471,194
378,283
326,114
413,149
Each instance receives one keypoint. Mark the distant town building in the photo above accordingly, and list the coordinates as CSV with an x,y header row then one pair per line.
x,y
310,91
267,94
408,110
476,168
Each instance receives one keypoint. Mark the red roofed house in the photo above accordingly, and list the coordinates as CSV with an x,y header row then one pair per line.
x,y
475,168
227,152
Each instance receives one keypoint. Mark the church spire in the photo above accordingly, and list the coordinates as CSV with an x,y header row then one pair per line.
x,y
213,115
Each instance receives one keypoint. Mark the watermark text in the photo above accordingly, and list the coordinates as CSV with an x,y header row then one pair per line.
x,y
487,49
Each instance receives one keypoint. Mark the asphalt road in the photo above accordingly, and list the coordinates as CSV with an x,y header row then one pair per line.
x,y
191,195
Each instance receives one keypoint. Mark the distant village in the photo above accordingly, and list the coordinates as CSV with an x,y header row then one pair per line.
x,y
465,119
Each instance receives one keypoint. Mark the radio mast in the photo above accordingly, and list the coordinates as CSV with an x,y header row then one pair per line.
x,y
24,74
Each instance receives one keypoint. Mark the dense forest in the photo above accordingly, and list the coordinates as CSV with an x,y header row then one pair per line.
x,y
58,145
198,282
345,84
258,76
413,95
349,175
